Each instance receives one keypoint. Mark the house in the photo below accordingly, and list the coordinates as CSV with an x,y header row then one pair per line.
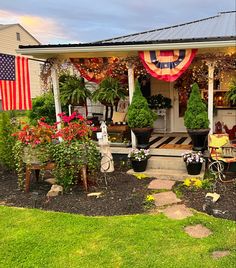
x,y
214,38
13,35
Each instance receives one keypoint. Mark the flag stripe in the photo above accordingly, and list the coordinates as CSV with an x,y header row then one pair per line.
x,y
29,103
19,82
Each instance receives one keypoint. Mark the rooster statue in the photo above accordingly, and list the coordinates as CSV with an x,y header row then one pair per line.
x,y
231,132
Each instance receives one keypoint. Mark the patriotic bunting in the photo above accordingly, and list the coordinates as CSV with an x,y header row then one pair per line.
x,y
14,83
167,65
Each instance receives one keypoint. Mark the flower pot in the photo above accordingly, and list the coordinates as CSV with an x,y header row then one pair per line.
x,y
142,135
37,155
194,168
139,166
199,138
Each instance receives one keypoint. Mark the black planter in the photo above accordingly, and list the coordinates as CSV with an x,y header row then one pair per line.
x,y
199,138
142,135
139,166
194,168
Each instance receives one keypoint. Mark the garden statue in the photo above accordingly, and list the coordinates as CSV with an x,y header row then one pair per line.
x,y
107,164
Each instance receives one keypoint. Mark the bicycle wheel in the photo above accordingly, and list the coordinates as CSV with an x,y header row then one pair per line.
x,y
216,168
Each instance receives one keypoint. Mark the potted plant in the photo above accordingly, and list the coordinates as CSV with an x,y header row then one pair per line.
x,y
109,92
39,144
193,162
73,90
139,158
159,102
140,118
231,94
196,119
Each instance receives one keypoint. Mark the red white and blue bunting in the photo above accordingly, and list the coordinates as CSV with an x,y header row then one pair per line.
x,y
167,65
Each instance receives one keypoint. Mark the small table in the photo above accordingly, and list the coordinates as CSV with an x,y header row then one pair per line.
x,y
49,166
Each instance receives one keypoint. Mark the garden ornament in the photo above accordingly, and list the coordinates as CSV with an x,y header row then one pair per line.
x,y
107,164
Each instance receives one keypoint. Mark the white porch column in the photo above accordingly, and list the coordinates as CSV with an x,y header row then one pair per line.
x,y
56,93
131,92
211,68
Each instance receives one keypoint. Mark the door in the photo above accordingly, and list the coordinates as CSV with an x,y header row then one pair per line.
x,y
179,108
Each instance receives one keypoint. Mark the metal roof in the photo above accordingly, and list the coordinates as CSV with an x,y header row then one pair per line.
x,y
221,26
208,32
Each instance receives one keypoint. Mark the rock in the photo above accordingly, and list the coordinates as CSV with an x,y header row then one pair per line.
x,y
177,212
165,198
51,181
220,253
161,184
55,190
97,194
214,196
197,231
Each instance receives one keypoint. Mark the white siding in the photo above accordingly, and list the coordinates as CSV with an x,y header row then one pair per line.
x,y
9,44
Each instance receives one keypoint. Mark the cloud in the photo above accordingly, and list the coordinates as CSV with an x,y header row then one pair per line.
x,y
71,21
43,29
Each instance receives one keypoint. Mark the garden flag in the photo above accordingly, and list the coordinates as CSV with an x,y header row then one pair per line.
x,y
167,65
14,83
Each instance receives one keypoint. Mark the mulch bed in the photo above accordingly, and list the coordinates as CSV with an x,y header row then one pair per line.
x,y
122,194
225,207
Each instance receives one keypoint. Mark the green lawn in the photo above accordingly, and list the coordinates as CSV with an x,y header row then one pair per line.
x,y
34,238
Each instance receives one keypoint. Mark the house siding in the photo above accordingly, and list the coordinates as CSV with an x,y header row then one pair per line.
x,y
9,44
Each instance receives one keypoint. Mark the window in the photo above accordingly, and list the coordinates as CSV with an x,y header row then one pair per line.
x,y
18,36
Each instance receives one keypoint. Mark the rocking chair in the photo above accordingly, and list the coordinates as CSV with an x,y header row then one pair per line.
x,y
222,155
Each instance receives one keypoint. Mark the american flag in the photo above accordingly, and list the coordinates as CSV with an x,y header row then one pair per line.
x,y
14,83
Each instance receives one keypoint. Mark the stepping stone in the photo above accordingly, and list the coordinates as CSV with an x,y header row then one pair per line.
x,y
51,181
161,184
197,231
220,253
177,212
165,198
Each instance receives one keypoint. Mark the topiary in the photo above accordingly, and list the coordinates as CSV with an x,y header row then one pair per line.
x,y
196,116
139,114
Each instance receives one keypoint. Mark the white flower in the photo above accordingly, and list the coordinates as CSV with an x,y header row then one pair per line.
x,y
138,154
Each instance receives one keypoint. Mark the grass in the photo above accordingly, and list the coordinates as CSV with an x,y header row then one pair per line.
x,y
34,238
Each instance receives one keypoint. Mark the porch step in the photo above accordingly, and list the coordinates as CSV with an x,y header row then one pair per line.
x,y
166,163
176,175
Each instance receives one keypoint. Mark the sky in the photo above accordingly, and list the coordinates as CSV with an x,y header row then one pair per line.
x,y
76,21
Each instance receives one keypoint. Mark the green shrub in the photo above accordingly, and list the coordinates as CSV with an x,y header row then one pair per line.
x,y
196,116
139,113
7,141
43,106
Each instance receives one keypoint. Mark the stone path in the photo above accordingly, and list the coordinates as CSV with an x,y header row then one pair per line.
x,y
168,199
167,202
